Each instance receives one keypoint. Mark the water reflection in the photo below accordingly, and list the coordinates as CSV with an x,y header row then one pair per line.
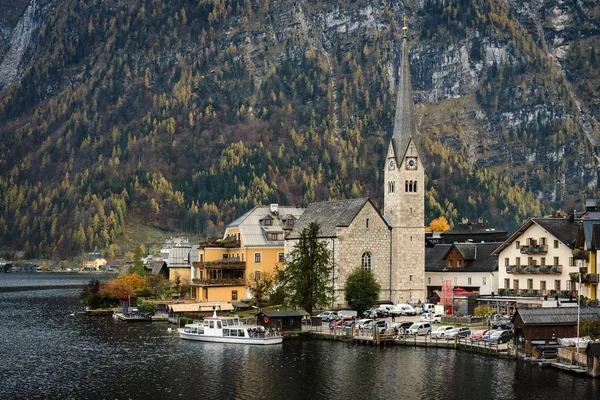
x,y
47,353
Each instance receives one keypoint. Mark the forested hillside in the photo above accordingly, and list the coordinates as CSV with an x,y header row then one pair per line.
x,y
187,114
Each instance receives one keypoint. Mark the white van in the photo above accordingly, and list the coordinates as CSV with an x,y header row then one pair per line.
x,y
419,328
390,309
406,309
429,307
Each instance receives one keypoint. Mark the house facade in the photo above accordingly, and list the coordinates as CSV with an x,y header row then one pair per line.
x,y
586,257
252,245
537,259
469,266
357,236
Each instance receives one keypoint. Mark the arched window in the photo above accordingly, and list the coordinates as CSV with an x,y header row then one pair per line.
x,y
410,186
366,260
406,186
415,187
391,187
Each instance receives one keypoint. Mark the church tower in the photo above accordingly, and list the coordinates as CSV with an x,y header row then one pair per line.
x,y
404,197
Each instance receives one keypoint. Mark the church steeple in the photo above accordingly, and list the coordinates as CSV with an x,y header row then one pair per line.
x,y
404,127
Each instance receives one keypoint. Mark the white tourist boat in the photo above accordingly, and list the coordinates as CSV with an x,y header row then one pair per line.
x,y
229,330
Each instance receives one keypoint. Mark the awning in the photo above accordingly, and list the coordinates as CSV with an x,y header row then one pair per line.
x,y
197,307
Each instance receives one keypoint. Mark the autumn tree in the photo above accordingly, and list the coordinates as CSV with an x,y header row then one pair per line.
x,y
361,290
307,274
123,286
261,287
439,224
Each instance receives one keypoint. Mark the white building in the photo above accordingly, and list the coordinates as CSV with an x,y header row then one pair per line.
x,y
538,258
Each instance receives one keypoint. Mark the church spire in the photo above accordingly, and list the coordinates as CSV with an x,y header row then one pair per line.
x,y
403,122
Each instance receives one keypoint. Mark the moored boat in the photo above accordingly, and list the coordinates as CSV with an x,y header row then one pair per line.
x,y
229,330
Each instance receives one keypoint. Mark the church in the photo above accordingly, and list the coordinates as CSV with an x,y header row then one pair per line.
x,y
392,244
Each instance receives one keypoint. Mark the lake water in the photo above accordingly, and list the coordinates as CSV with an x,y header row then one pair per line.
x,y
46,353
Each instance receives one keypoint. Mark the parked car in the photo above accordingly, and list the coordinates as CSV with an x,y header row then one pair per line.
x,y
381,325
361,323
502,324
390,309
400,327
370,313
328,315
429,317
478,334
440,331
406,309
419,328
458,332
339,323
381,313
347,313
501,336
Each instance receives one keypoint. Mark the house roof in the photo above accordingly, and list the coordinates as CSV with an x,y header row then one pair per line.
x,y
555,315
253,233
563,229
330,215
282,314
479,256
479,228
591,233
156,266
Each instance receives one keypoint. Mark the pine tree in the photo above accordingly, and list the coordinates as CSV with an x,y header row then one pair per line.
x,y
307,274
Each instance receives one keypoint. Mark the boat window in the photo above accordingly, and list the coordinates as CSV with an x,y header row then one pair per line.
x,y
201,331
233,332
205,323
225,332
241,332
219,325
212,324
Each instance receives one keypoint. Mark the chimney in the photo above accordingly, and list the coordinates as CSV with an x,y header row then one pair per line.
x,y
465,220
480,221
275,209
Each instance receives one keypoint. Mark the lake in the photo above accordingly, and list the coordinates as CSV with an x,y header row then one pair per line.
x,y
47,353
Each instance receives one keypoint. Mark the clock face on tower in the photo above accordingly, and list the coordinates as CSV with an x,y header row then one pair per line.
x,y
391,164
411,162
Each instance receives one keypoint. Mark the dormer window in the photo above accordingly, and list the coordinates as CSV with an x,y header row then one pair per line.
x,y
267,220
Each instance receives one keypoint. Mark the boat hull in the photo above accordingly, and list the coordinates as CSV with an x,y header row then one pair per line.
x,y
238,340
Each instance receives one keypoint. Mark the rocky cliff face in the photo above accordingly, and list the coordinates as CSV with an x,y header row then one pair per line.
x,y
506,87
19,21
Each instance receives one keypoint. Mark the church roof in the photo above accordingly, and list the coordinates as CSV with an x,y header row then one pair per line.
x,y
329,215
404,126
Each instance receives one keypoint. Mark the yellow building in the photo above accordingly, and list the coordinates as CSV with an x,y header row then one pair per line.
x,y
586,255
252,245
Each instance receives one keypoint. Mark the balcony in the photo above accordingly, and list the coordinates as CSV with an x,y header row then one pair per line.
x,y
534,249
227,243
225,263
579,254
588,279
534,269
218,282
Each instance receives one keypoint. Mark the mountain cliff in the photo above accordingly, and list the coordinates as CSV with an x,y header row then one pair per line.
x,y
188,114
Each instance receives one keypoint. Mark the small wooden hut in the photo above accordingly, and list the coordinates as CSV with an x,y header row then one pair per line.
x,y
283,320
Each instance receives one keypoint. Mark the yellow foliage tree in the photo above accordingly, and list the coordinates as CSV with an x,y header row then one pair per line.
x,y
123,286
439,224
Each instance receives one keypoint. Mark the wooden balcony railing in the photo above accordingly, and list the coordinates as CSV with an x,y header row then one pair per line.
x,y
534,269
534,249
219,282
227,243
225,263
